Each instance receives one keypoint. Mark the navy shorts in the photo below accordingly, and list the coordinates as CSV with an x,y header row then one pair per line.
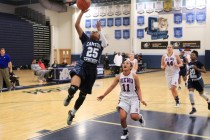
x,y
183,72
88,73
198,85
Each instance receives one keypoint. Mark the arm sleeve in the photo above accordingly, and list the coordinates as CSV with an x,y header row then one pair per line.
x,y
84,38
103,40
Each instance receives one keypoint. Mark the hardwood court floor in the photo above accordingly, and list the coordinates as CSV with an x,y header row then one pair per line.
x,y
25,115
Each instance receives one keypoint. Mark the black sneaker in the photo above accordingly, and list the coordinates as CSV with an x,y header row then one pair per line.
x,y
70,118
67,101
125,135
142,121
193,111
209,105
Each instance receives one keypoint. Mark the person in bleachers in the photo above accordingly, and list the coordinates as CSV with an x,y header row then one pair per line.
x,y
64,64
38,71
55,64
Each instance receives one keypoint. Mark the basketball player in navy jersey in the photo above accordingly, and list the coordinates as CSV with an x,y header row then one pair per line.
x,y
130,96
195,81
84,73
183,69
171,63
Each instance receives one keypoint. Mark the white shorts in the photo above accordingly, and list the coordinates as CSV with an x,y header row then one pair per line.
x,y
172,80
130,105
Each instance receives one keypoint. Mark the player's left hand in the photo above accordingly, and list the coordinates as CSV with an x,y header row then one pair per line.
x,y
144,103
98,25
100,98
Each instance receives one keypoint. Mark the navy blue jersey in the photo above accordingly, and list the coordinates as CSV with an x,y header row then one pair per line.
x,y
92,49
183,59
194,74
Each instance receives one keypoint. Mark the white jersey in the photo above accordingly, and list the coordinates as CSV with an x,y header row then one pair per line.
x,y
170,68
128,86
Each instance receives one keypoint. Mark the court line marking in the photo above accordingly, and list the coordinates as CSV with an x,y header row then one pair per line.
x,y
153,129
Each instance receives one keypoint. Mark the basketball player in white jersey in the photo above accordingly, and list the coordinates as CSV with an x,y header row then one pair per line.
x,y
130,96
171,63
134,62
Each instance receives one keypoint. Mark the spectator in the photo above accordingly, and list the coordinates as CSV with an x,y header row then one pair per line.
x,y
64,64
134,62
5,63
140,62
106,62
38,71
55,64
118,62
41,64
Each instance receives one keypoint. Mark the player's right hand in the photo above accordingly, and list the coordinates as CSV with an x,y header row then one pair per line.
x,y
100,98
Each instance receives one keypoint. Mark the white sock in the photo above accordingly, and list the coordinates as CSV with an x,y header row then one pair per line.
x,y
125,128
73,111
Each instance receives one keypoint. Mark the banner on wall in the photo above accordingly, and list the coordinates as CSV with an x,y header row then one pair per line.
x,y
178,32
168,5
110,10
118,34
102,10
186,44
103,22
158,6
200,4
149,7
157,28
140,20
126,21
190,4
177,5
154,45
177,18
201,16
140,33
118,21
190,17
88,33
87,23
94,22
126,34
140,8
110,22
126,9
95,11
118,10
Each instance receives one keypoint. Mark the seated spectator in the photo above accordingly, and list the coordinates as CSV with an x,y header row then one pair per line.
x,y
55,64
64,64
41,64
38,71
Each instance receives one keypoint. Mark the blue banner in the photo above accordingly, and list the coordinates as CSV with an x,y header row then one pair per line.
x,y
140,33
110,22
94,22
88,33
140,20
126,34
118,21
126,21
178,32
201,17
118,34
87,23
190,17
103,22
177,18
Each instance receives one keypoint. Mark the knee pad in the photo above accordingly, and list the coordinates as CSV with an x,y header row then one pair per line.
x,y
72,90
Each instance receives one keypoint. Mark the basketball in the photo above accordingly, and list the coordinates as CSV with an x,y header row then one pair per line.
x,y
83,4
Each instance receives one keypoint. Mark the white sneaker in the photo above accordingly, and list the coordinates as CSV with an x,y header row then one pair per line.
x,y
125,135
142,121
177,105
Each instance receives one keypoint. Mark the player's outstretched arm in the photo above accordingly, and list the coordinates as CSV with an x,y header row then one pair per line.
x,y
163,65
102,37
111,87
77,24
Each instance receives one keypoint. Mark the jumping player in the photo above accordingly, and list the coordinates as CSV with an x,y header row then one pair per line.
x,y
171,63
195,80
130,96
183,69
84,73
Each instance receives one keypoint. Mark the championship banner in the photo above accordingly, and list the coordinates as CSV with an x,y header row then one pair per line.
x,y
110,10
94,22
177,18
201,16
110,22
126,21
102,10
87,23
96,11
186,44
126,34
103,22
118,22
140,8
118,34
190,17
200,4
178,32
126,9
177,5
88,33
168,5
140,20
158,6
140,33
157,28
149,7
190,4
118,10
154,45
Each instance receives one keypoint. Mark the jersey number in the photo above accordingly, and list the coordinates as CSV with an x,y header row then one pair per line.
x,y
92,52
126,88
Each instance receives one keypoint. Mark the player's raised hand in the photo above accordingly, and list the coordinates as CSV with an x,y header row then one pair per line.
x,y
98,25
